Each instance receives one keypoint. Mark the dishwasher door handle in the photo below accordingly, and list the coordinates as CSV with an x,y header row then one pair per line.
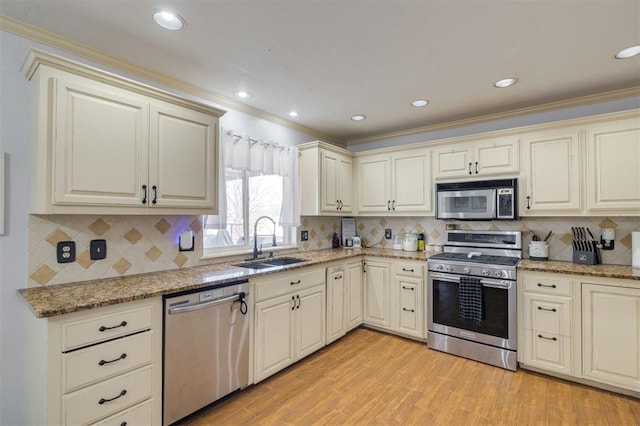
x,y
190,308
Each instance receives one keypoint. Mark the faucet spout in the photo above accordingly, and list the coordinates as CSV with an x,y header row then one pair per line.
x,y
257,251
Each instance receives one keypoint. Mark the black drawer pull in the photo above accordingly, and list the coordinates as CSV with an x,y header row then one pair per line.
x,y
103,400
293,298
408,310
407,270
103,362
295,282
155,194
547,338
337,277
407,288
545,285
540,308
123,424
103,328
144,197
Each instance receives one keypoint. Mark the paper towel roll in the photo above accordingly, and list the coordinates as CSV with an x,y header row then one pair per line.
x,y
635,249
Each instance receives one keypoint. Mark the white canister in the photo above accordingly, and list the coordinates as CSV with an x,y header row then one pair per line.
x,y
397,241
538,250
635,249
410,242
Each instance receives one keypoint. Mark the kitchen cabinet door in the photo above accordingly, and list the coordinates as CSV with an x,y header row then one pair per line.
x,y
613,168
100,145
453,161
376,293
374,177
183,158
274,335
411,183
495,157
354,315
552,169
310,321
336,303
611,335
410,307
336,192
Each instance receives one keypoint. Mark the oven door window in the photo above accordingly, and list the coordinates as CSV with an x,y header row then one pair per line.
x,y
495,306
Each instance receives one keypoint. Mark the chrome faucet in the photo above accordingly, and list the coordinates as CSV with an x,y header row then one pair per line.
x,y
257,252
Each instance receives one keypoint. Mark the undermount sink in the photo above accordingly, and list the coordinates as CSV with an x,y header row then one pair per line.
x,y
270,263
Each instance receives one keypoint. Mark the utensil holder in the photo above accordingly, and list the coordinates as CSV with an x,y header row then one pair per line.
x,y
538,250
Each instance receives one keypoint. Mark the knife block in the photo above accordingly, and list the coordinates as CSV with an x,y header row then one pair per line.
x,y
585,257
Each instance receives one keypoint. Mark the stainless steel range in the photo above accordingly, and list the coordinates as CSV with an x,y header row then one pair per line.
x,y
471,296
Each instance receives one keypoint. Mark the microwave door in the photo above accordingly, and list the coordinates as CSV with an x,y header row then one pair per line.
x,y
472,204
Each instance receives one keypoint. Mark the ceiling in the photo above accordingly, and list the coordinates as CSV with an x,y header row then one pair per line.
x,y
331,59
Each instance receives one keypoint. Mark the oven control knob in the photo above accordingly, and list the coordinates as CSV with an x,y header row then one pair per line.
x,y
466,270
440,267
449,268
498,274
485,272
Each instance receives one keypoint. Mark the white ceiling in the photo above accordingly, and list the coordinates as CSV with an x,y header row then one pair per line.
x,y
329,59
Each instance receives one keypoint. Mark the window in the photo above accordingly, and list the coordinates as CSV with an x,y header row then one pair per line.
x,y
258,179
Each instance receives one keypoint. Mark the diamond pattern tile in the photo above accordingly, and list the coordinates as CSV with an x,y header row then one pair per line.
x,y
163,226
42,275
122,266
84,259
56,236
180,260
99,227
133,236
153,253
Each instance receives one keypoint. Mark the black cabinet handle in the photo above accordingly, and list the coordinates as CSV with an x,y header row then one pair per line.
x,y
337,277
340,204
104,328
294,302
470,172
476,167
393,204
103,362
528,204
389,205
364,267
295,282
546,338
103,400
123,424
545,285
408,288
144,197
407,270
337,204
298,297
540,308
408,310
155,194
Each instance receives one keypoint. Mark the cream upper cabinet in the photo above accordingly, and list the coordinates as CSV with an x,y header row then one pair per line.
x,y
613,168
395,183
551,178
101,144
325,179
477,159
611,334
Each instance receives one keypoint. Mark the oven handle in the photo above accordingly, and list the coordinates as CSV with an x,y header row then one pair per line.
x,y
483,281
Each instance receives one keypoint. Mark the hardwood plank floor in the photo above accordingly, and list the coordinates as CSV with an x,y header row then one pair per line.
x,y
368,377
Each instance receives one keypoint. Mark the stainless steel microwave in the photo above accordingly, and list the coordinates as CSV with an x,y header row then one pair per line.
x,y
477,200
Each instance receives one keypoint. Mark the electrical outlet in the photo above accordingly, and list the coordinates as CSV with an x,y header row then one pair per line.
x,y
98,249
304,235
66,251
387,234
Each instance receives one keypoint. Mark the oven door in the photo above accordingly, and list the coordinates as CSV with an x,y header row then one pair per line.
x,y
466,204
498,326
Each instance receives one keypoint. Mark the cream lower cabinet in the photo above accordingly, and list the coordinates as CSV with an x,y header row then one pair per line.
x,y
101,143
552,174
100,366
407,288
344,299
289,319
548,322
611,334
377,292
613,174
397,183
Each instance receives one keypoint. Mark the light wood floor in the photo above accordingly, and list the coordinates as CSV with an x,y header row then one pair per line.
x,y
369,378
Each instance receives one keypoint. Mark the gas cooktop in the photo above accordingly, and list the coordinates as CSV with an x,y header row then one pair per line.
x,y
483,258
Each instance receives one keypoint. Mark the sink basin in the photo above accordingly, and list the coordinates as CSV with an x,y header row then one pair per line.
x,y
270,263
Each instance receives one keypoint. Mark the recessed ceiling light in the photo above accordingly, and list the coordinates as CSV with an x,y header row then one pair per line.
x,y
506,82
628,52
358,117
168,20
293,114
419,103
243,95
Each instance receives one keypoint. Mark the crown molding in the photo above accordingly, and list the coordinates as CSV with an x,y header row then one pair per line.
x,y
65,44
583,100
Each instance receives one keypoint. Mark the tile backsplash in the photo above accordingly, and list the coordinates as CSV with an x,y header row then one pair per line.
x,y
142,244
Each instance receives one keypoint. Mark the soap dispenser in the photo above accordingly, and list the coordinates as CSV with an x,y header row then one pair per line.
x,y
336,240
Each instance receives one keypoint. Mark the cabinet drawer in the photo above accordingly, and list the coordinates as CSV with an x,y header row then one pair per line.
x,y
138,415
92,403
551,284
287,282
549,351
548,314
98,329
409,269
105,360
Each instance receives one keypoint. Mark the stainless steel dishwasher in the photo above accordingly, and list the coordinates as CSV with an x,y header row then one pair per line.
x,y
206,347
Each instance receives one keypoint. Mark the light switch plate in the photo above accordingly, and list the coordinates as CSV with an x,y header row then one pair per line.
x,y
98,249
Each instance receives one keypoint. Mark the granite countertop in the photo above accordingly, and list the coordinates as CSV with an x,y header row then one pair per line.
x,y
605,271
79,296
